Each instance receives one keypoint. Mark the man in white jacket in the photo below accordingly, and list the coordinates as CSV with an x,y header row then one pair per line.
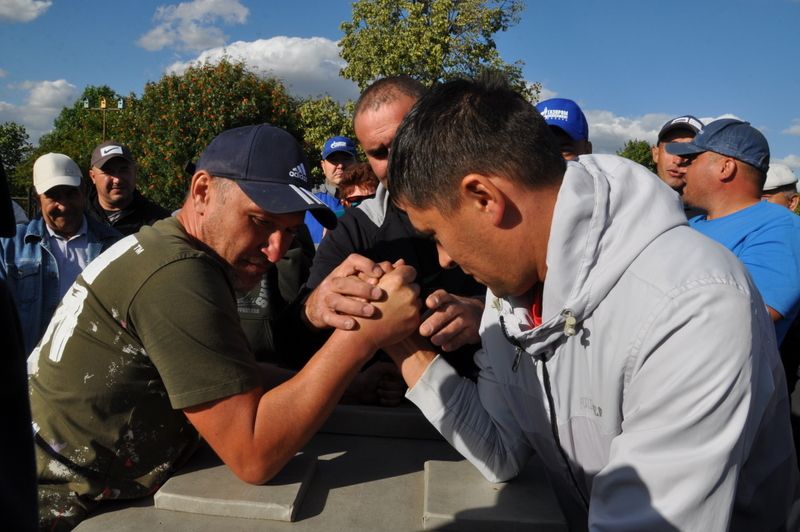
x,y
631,353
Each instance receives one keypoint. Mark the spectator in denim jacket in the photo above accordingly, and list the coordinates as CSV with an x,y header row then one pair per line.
x,y
46,255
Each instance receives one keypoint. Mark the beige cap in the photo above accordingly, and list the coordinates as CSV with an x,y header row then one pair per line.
x,y
779,175
54,169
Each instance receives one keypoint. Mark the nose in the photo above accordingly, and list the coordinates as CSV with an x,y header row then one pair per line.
x,y
445,261
278,243
380,167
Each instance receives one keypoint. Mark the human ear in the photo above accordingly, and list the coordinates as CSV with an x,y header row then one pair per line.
x,y
482,194
727,168
199,189
794,202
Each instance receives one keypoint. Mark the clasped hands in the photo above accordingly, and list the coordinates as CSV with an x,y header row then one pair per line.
x,y
382,299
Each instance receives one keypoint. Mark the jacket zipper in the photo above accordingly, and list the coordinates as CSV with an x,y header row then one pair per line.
x,y
569,330
554,428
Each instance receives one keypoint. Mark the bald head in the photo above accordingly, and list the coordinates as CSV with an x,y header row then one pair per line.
x,y
387,90
378,113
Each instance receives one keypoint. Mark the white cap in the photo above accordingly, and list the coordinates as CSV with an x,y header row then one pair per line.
x,y
779,175
54,169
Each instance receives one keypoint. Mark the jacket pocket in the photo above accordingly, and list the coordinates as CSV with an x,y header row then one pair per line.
x,y
25,277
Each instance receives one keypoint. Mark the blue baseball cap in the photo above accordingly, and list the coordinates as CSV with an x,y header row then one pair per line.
x,y
269,166
565,115
337,144
731,137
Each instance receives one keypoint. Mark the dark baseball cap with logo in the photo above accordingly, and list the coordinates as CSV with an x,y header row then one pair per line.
x,y
109,149
269,166
731,137
686,123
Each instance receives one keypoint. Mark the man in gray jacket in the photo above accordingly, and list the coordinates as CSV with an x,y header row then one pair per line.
x,y
631,353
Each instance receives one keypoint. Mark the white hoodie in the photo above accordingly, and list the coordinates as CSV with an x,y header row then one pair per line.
x,y
670,401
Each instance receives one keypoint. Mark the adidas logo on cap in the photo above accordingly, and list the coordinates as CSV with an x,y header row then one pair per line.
x,y
299,172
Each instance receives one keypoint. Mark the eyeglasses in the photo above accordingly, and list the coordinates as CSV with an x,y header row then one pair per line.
x,y
355,201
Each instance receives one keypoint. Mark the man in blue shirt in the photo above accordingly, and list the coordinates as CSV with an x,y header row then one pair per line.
x,y
338,153
46,255
727,164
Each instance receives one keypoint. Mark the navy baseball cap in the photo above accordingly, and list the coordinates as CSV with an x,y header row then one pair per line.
x,y
565,115
269,166
684,123
731,137
336,144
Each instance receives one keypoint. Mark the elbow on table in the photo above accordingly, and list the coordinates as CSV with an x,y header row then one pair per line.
x,y
257,471
497,471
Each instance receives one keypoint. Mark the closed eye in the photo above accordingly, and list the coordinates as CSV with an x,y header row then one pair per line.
x,y
261,222
379,153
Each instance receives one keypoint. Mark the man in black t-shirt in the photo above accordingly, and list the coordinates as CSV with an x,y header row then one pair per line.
x,y
377,231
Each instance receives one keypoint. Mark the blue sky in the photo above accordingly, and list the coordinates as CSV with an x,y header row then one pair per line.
x,y
630,64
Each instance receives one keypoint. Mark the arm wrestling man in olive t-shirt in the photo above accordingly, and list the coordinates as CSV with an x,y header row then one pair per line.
x,y
146,354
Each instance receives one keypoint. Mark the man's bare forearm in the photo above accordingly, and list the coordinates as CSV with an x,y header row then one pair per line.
x,y
412,356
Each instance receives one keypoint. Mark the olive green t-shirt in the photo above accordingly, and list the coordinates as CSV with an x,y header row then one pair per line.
x,y
150,327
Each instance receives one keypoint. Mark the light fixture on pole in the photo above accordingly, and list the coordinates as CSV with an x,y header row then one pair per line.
x,y
103,108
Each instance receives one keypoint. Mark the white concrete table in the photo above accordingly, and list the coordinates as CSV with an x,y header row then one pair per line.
x,y
347,480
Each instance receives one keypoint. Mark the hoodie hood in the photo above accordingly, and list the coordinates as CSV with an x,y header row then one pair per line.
x,y
608,210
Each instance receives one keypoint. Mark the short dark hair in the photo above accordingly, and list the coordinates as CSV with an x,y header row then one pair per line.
x,y
470,126
387,90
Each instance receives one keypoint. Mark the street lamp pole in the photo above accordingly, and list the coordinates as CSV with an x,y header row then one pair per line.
x,y
103,108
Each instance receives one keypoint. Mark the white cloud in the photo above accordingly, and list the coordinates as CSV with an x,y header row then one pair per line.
x,y
190,26
609,132
794,129
3,73
23,10
42,105
792,161
309,67
546,94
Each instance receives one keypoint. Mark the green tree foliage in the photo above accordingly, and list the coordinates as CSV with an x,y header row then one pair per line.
x,y
430,40
14,148
638,151
77,130
320,119
178,116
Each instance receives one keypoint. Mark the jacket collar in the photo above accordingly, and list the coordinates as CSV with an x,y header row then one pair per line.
x,y
607,211
35,231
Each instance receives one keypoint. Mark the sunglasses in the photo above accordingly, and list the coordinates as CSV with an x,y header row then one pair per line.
x,y
354,201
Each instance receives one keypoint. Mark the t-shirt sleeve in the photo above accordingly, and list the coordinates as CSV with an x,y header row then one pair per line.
x,y
186,318
772,257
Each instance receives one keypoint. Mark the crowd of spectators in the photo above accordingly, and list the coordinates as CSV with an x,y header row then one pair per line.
x,y
637,331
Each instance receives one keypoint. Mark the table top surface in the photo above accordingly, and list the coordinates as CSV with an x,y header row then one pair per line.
x,y
367,472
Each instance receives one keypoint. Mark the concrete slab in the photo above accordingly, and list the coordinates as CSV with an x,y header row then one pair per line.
x,y
210,488
457,497
361,484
